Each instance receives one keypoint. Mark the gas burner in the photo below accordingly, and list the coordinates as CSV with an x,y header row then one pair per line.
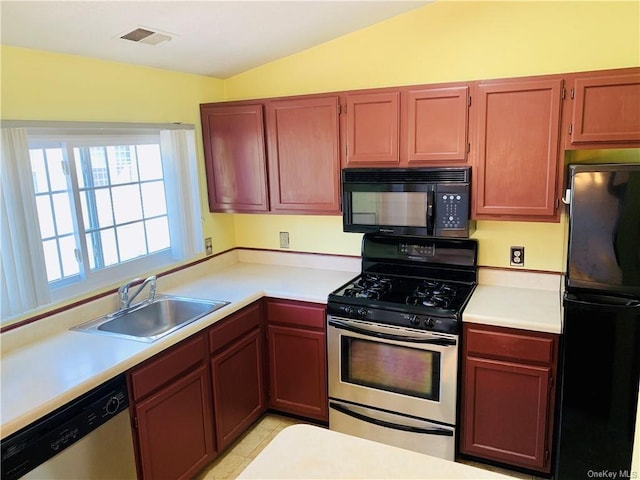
x,y
369,286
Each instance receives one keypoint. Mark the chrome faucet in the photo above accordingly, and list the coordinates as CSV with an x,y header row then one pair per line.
x,y
126,299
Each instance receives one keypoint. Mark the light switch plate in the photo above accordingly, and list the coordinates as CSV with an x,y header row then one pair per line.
x,y
284,239
517,257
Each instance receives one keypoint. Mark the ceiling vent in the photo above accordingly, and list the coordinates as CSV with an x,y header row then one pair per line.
x,y
143,35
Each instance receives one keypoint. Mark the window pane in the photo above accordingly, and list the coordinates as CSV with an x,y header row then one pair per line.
x,y
131,241
157,234
63,215
109,247
57,178
126,203
103,207
122,164
50,248
90,250
67,255
45,216
99,170
39,171
149,162
153,199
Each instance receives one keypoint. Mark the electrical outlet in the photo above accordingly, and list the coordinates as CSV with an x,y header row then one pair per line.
x,y
284,239
517,256
208,246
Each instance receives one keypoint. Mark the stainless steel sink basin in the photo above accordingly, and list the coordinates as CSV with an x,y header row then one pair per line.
x,y
152,319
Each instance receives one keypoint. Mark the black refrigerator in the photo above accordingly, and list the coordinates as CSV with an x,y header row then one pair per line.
x,y
600,347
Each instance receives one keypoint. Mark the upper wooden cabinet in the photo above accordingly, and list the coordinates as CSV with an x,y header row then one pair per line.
x,y
436,125
604,109
516,149
410,127
234,151
303,143
372,129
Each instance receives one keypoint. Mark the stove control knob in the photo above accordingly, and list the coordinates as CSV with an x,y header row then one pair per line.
x,y
362,312
414,320
348,310
429,323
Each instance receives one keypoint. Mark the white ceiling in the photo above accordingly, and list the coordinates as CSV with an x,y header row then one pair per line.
x,y
209,37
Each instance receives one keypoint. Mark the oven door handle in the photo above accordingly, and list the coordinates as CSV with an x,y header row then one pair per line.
x,y
446,342
395,426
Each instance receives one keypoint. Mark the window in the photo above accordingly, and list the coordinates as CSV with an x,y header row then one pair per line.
x,y
109,207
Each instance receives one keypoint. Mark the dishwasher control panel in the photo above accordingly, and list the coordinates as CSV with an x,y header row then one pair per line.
x,y
35,444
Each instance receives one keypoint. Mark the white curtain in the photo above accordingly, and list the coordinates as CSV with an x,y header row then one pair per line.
x,y
24,277
183,197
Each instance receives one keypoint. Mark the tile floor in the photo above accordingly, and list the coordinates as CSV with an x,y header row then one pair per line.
x,y
230,463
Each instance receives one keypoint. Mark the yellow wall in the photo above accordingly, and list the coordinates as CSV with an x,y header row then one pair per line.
x,y
40,85
449,41
442,41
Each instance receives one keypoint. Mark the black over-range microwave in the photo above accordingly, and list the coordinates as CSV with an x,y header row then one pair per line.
x,y
431,202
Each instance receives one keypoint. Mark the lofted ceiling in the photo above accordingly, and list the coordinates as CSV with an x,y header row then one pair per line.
x,y
207,37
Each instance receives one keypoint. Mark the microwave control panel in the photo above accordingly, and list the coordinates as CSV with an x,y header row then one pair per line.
x,y
451,207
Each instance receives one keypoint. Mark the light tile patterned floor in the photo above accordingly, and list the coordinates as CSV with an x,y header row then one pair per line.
x,y
231,462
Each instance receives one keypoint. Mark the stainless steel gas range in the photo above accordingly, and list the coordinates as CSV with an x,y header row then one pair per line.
x,y
393,337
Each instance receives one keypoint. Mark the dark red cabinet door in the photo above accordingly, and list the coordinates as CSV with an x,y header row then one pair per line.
x,y
506,408
175,428
238,387
373,129
298,372
304,155
606,108
234,151
517,149
436,125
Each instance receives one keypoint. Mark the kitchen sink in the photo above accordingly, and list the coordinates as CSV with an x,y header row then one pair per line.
x,y
152,319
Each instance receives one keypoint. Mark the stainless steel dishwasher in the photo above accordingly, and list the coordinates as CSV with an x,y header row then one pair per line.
x,y
88,438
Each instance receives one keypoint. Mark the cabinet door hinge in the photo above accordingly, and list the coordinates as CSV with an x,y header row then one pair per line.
x,y
134,422
570,128
557,203
547,455
469,101
339,109
468,147
563,90
573,92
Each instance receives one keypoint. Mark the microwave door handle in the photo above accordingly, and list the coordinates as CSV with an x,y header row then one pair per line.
x,y
394,426
445,342
430,200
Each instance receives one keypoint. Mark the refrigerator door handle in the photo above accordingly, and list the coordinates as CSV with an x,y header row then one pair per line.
x,y
602,301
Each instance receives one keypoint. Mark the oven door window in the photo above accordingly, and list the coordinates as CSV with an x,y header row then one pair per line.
x,y
389,208
394,368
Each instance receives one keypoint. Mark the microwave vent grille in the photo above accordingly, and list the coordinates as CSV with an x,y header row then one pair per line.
x,y
399,175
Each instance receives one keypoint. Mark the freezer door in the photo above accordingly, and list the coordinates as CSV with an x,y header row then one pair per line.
x,y
604,228
599,382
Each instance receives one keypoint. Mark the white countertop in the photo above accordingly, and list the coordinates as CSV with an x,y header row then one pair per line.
x,y
522,308
45,365
53,369
310,452
517,299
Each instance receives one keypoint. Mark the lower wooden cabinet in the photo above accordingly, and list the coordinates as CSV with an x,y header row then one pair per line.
x,y
191,401
296,334
508,395
171,406
237,377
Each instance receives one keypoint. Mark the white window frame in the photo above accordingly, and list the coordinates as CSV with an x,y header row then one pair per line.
x,y
73,135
